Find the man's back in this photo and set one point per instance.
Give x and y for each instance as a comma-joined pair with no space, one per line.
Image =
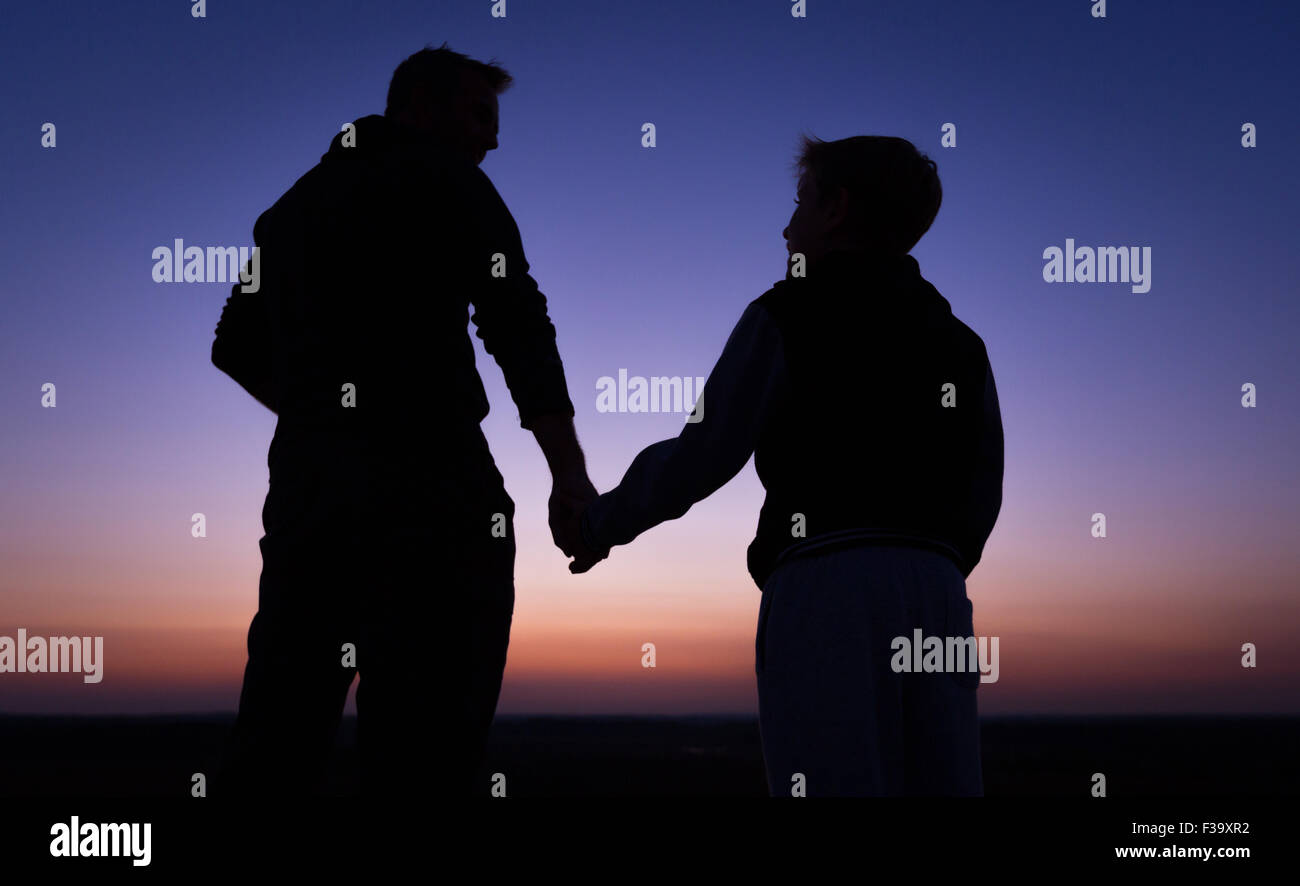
361,268
368,266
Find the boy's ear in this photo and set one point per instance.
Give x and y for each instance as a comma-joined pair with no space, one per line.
839,207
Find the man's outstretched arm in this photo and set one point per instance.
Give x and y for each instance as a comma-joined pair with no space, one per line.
512,320
510,311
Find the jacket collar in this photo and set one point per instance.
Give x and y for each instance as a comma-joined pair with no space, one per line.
889,280
862,263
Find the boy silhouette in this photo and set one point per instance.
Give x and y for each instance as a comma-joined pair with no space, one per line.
873,419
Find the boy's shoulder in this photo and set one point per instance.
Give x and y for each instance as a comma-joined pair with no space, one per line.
782,295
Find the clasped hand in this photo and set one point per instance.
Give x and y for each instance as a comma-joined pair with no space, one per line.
571,493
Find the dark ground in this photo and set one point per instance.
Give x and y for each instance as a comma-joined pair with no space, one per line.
688,756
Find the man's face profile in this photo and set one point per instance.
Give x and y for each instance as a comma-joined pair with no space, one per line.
464,120
473,118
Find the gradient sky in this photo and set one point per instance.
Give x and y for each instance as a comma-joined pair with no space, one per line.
1122,131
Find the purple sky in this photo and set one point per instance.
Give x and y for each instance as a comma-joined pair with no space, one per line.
1124,131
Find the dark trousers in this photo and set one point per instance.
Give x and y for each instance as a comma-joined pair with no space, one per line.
833,714
387,569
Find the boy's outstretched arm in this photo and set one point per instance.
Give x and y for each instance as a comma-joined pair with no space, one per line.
746,390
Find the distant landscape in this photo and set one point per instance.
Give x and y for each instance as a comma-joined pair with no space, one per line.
42,756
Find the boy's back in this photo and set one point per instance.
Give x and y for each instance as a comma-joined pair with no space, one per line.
892,426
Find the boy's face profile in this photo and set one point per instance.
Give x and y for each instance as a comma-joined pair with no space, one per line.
795,232
814,220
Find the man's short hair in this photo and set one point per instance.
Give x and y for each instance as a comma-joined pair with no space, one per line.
438,71
894,190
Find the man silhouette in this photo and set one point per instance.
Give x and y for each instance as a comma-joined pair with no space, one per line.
873,419
389,546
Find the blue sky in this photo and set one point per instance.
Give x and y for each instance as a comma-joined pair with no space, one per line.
1122,131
